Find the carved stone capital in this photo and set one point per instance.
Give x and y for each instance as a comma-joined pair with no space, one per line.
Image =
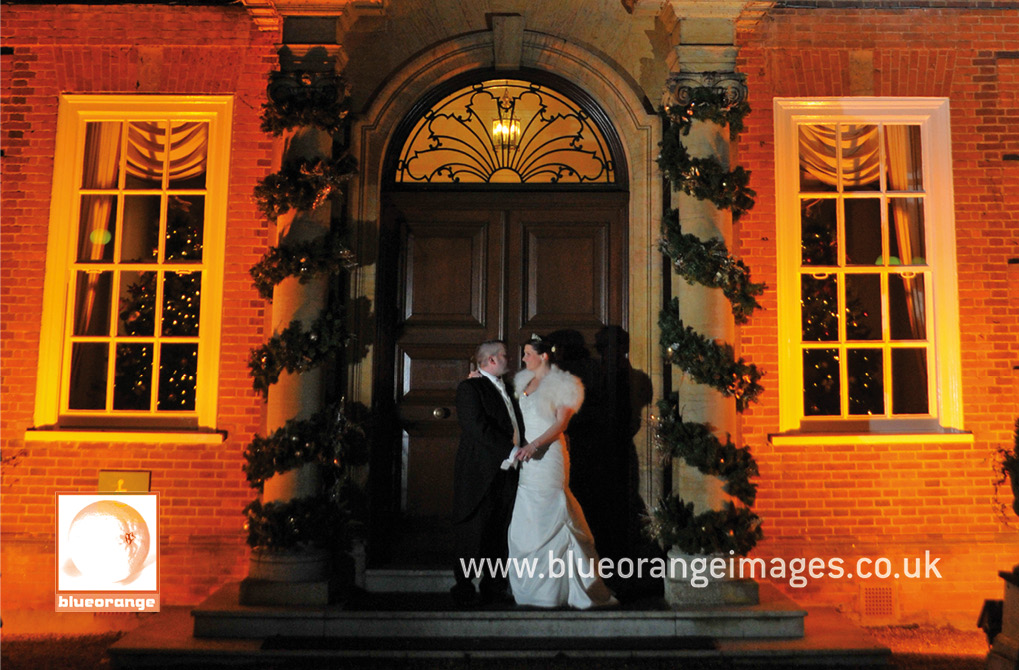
677,89
312,58
294,87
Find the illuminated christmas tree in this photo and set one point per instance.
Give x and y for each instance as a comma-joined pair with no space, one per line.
178,362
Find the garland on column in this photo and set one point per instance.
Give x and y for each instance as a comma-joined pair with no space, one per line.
305,99
303,184
704,178
326,254
708,362
295,350
706,262
331,437
334,437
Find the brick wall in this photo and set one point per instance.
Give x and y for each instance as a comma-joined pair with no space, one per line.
898,500
126,49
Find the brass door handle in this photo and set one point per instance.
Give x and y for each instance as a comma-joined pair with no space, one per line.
440,412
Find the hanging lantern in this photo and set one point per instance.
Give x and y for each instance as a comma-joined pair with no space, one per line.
506,128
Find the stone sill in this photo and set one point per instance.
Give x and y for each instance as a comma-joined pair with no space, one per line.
801,438
134,436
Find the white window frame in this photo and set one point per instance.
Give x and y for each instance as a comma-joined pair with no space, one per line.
74,112
932,115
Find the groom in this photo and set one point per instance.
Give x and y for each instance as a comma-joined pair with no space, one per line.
483,492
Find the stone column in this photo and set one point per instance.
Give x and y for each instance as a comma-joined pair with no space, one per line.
302,576
704,57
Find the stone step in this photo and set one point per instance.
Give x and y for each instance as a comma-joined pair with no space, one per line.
428,616
167,641
409,580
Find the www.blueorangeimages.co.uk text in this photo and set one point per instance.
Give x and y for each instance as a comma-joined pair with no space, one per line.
700,570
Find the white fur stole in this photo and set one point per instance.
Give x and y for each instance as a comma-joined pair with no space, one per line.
558,388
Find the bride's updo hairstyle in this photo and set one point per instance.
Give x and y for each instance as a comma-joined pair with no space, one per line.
543,346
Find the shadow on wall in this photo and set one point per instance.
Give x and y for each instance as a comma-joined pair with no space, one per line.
604,469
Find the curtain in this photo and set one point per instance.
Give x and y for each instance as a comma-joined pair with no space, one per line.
904,166
861,154
99,171
102,159
146,149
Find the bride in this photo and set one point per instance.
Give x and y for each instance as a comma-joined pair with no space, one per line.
548,529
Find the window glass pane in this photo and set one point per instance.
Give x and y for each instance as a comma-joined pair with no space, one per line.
181,303
909,381
140,238
820,319
96,228
101,167
906,243
863,307
185,223
903,158
88,375
189,147
92,303
132,381
819,231
817,158
863,231
178,371
821,382
906,307
146,152
860,166
137,315
866,381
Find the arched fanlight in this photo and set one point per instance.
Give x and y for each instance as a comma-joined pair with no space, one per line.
505,131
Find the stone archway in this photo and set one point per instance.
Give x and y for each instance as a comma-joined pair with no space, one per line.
639,131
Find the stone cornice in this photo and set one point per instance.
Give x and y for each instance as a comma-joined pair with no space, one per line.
265,14
269,14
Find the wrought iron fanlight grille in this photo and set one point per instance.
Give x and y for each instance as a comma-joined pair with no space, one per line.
505,132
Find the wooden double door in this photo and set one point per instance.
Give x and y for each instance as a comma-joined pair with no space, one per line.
457,269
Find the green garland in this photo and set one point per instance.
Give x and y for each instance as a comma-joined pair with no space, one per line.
303,184
701,449
295,350
320,101
704,178
707,262
301,522
706,361
731,528
673,522
707,103
334,437
326,254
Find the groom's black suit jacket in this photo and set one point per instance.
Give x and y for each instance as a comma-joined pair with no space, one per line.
486,439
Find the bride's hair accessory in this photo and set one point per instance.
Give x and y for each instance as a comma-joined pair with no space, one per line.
537,339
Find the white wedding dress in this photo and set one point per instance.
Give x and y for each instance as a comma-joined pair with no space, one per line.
548,530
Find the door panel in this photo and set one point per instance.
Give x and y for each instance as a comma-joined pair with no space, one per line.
569,260
475,267
445,273
566,277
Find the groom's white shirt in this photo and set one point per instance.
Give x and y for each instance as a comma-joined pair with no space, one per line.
510,461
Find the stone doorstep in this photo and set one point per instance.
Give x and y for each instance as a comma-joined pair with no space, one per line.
426,616
167,641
